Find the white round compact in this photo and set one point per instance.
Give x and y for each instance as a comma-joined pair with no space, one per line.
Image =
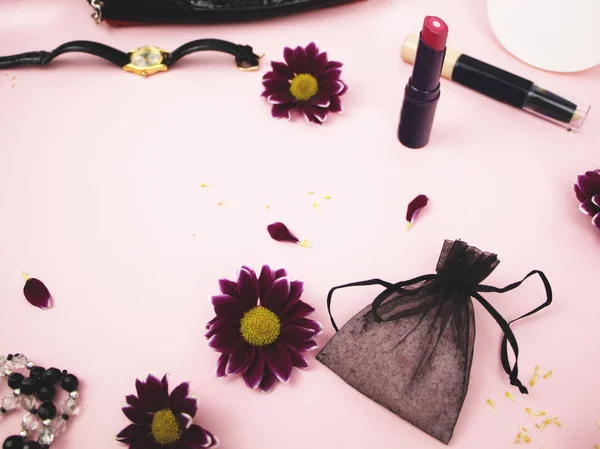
553,35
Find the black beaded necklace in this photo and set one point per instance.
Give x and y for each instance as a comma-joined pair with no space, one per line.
35,394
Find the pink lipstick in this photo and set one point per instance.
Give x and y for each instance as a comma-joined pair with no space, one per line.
422,91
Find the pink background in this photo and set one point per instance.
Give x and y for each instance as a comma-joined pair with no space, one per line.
100,197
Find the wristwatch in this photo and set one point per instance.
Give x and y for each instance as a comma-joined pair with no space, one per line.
143,61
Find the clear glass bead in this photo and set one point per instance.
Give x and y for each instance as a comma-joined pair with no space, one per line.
10,402
59,426
27,402
3,366
19,361
3,359
69,407
46,436
30,422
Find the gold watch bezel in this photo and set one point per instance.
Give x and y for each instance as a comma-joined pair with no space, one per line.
150,70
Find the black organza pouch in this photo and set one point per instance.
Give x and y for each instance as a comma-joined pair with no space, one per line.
411,350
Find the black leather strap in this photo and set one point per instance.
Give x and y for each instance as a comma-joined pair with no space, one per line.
244,56
44,57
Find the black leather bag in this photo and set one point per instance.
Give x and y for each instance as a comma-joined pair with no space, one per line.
125,12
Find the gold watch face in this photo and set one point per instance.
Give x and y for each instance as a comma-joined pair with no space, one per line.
146,61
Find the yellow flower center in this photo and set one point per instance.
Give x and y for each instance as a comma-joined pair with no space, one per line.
165,428
260,326
304,87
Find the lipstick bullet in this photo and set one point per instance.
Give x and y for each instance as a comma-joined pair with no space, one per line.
422,91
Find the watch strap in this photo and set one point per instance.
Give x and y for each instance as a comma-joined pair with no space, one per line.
244,55
44,57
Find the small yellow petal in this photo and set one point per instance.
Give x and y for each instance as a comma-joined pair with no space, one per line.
26,276
535,414
596,446
408,225
533,379
316,206
203,185
267,208
548,374
541,427
517,439
492,404
555,420
310,193
304,244
326,197
509,395
12,87
221,203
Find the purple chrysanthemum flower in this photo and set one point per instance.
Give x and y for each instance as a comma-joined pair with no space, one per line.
261,328
161,420
587,189
307,81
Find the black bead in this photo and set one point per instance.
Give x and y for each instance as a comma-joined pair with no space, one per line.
15,380
65,417
63,373
3,410
33,411
30,385
37,371
32,445
46,393
47,411
13,442
51,376
9,357
70,383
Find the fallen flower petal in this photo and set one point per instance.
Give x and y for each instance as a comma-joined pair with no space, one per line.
278,231
413,209
37,293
